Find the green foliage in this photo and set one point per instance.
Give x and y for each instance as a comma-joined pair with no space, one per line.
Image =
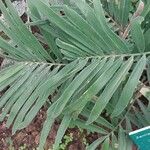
92,69
67,139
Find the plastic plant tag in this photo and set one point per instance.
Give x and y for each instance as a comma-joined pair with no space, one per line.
141,138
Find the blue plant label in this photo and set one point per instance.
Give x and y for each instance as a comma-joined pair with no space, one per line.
141,138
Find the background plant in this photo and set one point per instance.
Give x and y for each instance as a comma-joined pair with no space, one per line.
96,68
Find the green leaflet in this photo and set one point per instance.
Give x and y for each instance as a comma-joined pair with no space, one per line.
124,11
66,26
146,9
96,143
109,91
61,131
120,45
147,41
106,144
11,95
45,131
57,107
122,140
62,101
77,106
130,87
91,128
137,33
15,53
114,141
4,75
113,9
70,48
25,36
11,80
29,86
49,86
100,120
30,101
78,21
145,111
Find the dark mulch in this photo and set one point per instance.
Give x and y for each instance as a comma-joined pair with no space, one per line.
31,134
1,60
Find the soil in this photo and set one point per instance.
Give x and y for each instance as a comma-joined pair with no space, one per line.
29,137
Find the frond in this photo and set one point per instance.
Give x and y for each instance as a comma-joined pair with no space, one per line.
94,73
89,33
23,45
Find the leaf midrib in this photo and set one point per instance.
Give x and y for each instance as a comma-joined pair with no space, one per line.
88,57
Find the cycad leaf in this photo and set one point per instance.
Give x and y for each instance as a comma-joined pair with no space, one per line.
16,86
145,111
77,20
30,101
101,120
121,139
9,72
61,131
114,142
69,91
137,33
109,91
128,129
130,87
106,144
146,9
17,26
56,109
101,17
124,11
66,26
113,9
11,80
70,48
91,128
79,104
96,143
29,86
49,86
83,86
88,12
